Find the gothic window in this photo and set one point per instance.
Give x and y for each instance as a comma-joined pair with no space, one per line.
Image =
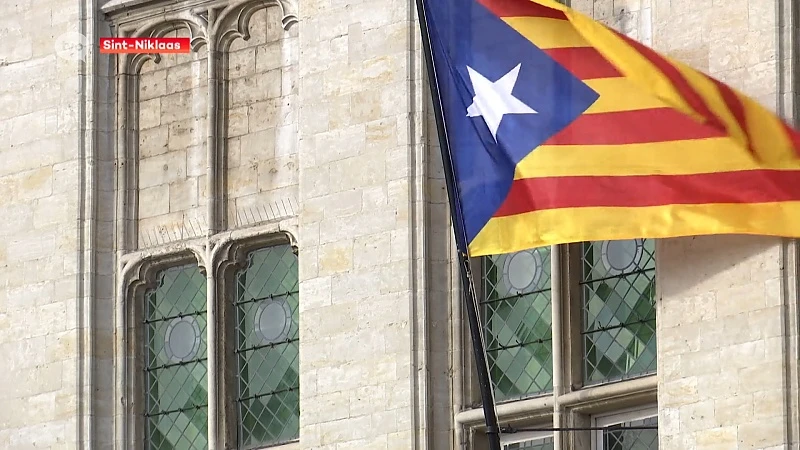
530,443
606,332
256,357
626,431
619,314
267,347
516,308
176,367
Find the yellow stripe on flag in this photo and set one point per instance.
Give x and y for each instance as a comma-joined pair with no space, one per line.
559,226
655,158
767,133
547,33
619,94
710,94
638,69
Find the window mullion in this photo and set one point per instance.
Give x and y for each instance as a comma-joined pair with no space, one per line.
213,347
557,310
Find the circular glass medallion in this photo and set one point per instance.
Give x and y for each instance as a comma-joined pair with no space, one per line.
182,339
522,271
622,256
273,320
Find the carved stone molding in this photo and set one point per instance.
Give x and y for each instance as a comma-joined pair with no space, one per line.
215,25
197,36
234,21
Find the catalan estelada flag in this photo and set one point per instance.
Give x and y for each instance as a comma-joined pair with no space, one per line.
563,130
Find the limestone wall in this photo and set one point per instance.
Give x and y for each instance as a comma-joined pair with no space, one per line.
40,195
361,256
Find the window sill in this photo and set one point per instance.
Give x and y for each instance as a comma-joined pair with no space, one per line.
585,398
295,445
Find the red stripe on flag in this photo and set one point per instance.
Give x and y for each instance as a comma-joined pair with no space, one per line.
633,127
585,63
754,186
736,107
680,84
521,8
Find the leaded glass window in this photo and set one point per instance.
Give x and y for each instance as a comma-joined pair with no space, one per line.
631,436
619,314
517,323
532,444
176,415
267,348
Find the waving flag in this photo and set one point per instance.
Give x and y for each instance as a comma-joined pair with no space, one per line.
562,130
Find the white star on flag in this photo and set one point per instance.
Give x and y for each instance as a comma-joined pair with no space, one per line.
493,100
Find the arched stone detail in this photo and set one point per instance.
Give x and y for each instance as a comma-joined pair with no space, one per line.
234,21
195,23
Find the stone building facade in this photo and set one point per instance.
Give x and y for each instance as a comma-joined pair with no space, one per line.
249,246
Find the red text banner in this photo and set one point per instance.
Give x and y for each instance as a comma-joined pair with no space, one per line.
144,45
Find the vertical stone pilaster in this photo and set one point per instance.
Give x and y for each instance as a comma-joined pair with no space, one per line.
356,257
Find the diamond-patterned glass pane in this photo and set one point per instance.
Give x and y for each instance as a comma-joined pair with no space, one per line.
619,314
533,444
618,438
517,323
267,348
176,394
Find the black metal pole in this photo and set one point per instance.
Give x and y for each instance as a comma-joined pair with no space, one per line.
470,297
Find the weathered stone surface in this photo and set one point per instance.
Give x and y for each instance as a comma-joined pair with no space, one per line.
324,124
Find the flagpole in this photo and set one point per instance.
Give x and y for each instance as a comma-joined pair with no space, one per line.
468,286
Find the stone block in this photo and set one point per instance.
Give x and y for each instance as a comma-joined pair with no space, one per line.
183,195
183,105
187,76
268,57
242,180
335,257
701,362
152,83
53,210
187,133
339,144
277,173
154,141
31,247
339,228
697,416
256,148
154,201
162,169
338,431
196,157
263,114
716,438
237,121
741,355
736,409
255,88
372,171
761,377
315,293
768,404
286,140
241,63
17,218
760,434
150,113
